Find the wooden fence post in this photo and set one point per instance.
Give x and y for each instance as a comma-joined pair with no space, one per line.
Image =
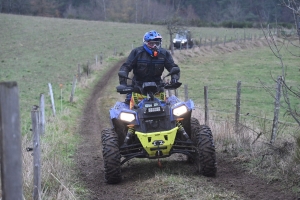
42,114
52,99
36,153
78,73
88,69
169,93
206,113
176,92
101,58
238,107
10,138
276,110
186,93
73,89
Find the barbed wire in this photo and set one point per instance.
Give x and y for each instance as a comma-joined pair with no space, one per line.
221,88
264,118
244,115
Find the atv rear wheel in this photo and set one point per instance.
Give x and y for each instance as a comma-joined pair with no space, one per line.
205,158
111,156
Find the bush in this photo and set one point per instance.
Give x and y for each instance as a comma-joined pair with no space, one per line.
297,150
232,24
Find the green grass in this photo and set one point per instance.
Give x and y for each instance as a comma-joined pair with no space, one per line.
255,68
36,51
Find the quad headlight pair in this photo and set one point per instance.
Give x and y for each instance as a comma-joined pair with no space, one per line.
129,117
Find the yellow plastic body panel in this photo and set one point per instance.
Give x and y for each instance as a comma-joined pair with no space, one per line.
165,137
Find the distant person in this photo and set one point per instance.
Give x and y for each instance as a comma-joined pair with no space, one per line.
148,63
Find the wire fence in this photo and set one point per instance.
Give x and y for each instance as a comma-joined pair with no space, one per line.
243,105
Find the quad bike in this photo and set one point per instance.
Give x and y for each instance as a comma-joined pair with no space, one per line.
155,129
183,40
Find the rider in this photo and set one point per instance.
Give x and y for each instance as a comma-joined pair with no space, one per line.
148,62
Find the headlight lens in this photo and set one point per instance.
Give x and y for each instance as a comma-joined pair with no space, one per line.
180,110
128,117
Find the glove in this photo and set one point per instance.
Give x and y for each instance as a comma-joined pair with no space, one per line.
174,80
122,81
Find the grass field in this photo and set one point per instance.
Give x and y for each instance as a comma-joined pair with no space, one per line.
256,68
35,51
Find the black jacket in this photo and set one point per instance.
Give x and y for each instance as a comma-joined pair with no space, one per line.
147,68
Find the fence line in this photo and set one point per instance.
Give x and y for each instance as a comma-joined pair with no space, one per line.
238,113
10,137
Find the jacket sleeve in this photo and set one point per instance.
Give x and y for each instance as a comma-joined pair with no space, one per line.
169,64
127,66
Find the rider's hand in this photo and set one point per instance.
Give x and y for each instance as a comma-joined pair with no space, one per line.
123,83
174,80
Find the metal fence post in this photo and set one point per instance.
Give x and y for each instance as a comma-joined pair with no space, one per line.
42,120
52,99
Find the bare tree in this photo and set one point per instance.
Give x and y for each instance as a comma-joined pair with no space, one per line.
104,9
294,7
235,10
172,26
288,92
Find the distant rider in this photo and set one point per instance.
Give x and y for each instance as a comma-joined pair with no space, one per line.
148,62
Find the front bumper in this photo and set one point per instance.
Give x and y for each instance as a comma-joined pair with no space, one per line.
158,143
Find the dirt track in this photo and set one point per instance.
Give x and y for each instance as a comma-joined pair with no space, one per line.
230,175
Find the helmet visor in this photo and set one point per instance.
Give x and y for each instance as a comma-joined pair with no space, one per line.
153,44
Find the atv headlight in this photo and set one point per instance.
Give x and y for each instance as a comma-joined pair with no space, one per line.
183,41
128,117
180,110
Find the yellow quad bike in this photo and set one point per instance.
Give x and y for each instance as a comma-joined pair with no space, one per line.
155,128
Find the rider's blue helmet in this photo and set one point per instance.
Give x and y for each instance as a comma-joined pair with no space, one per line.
152,39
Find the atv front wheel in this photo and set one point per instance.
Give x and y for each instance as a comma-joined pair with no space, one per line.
206,156
111,156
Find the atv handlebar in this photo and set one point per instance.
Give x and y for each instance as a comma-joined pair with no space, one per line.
125,89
